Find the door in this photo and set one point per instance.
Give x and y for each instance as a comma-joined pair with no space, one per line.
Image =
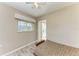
42,34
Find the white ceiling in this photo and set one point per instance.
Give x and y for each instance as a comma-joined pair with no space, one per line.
45,9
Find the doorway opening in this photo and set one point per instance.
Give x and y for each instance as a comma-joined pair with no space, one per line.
42,30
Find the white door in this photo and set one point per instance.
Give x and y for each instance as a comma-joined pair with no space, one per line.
42,30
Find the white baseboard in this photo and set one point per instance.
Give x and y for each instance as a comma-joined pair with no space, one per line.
17,49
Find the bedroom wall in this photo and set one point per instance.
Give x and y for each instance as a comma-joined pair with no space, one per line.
63,26
10,38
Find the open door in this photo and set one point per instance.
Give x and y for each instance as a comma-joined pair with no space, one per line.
42,34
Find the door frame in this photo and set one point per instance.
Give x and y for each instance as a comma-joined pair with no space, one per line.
40,30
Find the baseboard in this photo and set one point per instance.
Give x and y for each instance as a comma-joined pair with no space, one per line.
18,49
64,44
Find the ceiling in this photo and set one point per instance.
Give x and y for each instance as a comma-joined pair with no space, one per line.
33,12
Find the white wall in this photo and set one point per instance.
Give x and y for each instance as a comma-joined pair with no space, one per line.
63,26
10,39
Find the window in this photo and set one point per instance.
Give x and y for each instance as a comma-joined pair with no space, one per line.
24,26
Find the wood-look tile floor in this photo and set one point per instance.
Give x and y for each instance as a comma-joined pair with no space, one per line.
27,51
49,48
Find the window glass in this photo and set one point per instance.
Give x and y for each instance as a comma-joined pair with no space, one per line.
24,26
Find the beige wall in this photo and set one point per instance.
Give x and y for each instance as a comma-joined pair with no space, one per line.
10,39
63,26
